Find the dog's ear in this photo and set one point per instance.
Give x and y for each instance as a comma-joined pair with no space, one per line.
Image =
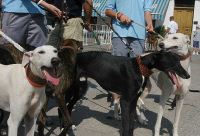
149,60
26,57
187,39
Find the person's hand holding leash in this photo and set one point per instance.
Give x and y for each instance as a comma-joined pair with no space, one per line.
123,18
54,10
51,8
150,28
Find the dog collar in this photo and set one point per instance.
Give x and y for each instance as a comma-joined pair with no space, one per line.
34,80
146,72
184,57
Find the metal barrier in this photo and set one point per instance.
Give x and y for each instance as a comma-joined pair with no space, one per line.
99,32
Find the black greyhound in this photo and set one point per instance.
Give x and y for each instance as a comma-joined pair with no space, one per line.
121,75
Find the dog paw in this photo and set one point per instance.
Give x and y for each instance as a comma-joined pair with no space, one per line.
156,134
73,128
117,117
142,120
3,132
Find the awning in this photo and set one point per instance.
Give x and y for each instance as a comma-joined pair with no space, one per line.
159,9
100,6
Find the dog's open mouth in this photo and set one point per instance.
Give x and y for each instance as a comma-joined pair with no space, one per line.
174,79
51,75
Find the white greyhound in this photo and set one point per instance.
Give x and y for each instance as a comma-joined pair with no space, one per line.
180,44
22,87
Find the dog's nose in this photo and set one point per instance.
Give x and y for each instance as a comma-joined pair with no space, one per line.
161,45
55,61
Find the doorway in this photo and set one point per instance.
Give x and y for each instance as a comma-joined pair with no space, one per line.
184,16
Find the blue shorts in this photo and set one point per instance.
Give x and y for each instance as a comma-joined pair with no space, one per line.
196,44
120,49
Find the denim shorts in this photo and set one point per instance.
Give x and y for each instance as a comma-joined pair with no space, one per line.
196,44
119,47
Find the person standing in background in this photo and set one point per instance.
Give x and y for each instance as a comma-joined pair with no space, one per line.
196,40
122,13
71,30
172,27
24,21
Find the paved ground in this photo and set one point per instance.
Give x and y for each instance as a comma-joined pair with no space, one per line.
91,116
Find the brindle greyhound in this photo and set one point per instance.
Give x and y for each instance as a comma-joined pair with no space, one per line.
67,53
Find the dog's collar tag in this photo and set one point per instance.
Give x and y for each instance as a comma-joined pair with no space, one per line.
34,80
146,72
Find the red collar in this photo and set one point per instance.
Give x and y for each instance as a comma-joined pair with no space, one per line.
146,72
184,57
34,80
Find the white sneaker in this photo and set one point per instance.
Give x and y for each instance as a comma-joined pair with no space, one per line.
193,53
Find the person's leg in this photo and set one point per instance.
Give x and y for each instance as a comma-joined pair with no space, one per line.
197,48
195,45
119,48
137,46
37,31
14,25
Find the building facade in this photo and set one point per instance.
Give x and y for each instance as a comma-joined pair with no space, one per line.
186,14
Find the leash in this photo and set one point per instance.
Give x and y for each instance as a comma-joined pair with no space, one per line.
16,45
86,98
153,32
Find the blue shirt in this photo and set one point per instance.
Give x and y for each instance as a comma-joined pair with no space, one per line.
135,10
21,6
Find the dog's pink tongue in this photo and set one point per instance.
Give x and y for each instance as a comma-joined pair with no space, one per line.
54,81
175,80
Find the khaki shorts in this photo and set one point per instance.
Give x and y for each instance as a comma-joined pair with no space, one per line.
73,29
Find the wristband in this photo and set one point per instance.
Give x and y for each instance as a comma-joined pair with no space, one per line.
116,16
39,2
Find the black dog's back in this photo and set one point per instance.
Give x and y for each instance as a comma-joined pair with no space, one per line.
103,65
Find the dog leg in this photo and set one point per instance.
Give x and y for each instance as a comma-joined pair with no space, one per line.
116,104
1,116
133,114
79,90
125,109
17,111
42,118
13,123
163,98
65,113
30,123
140,104
179,105
32,115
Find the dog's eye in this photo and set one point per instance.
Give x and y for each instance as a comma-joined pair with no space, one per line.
55,51
41,52
175,38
